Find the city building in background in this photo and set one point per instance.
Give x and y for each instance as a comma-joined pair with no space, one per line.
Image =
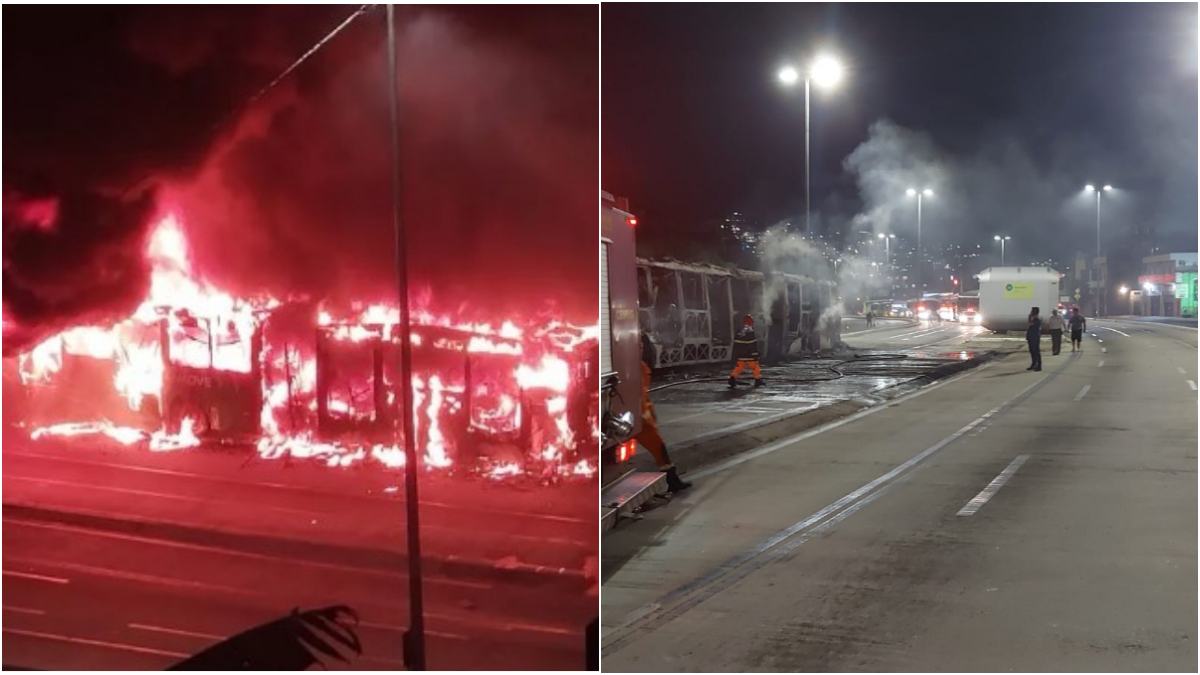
1166,286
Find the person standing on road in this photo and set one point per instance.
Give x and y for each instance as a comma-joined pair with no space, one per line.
1078,324
870,318
1033,335
745,350
649,437
1055,325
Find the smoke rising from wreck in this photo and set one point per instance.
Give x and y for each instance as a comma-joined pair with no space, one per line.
293,198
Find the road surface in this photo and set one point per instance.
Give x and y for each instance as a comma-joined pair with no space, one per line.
184,552
897,335
999,520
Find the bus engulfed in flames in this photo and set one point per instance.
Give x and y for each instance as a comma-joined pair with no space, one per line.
294,380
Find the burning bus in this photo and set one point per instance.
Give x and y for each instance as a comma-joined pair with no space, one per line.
296,379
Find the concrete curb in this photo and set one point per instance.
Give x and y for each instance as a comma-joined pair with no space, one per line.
702,452
372,559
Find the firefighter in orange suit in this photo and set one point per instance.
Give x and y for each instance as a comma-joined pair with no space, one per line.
745,350
649,437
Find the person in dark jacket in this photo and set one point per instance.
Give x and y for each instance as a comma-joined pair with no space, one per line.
1033,335
745,350
1078,324
649,437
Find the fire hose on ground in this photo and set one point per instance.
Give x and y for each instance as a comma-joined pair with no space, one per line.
836,368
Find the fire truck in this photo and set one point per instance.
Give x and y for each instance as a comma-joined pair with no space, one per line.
622,488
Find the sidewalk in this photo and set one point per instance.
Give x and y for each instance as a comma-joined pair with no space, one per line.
703,421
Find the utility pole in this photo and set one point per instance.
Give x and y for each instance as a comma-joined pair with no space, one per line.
414,637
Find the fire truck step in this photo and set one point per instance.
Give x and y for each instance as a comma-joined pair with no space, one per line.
622,497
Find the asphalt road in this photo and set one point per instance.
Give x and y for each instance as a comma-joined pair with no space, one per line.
1000,520
896,335
216,552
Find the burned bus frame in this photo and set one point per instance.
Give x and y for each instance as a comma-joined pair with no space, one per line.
692,311
384,351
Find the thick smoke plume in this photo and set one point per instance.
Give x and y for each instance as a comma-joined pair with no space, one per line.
292,196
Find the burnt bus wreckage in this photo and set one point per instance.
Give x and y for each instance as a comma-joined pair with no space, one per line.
692,311
293,386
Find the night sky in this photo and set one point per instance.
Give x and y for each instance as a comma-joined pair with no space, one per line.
113,115
1010,109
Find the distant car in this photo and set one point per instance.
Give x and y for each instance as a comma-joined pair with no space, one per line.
971,316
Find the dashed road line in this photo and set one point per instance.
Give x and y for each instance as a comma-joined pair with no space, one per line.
1083,392
1192,384
1181,371
992,488
1113,330
1100,365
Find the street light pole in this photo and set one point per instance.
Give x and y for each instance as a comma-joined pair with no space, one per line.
1101,287
887,248
414,637
807,173
826,71
920,258
1001,240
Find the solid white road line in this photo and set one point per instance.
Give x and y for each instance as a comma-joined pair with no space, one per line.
1113,330
23,610
1192,384
1083,392
992,488
175,631
36,577
94,643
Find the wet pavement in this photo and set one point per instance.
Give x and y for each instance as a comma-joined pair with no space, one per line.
700,405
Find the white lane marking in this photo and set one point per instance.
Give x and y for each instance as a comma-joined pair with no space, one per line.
914,332
927,333
1099,340
23,610
1100,365
1104,350
174,631
1083,392
1114,330
846,505
233,553
1192,384
36,577
94,643
324,492
1181,371
992,488
805,435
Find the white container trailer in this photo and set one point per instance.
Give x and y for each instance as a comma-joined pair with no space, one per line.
1006,294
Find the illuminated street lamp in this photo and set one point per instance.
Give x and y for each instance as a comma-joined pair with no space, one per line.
826,71
1001,240
920,258
1123,290
887,247
1091,188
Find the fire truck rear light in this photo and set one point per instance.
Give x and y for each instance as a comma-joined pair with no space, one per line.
626,450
